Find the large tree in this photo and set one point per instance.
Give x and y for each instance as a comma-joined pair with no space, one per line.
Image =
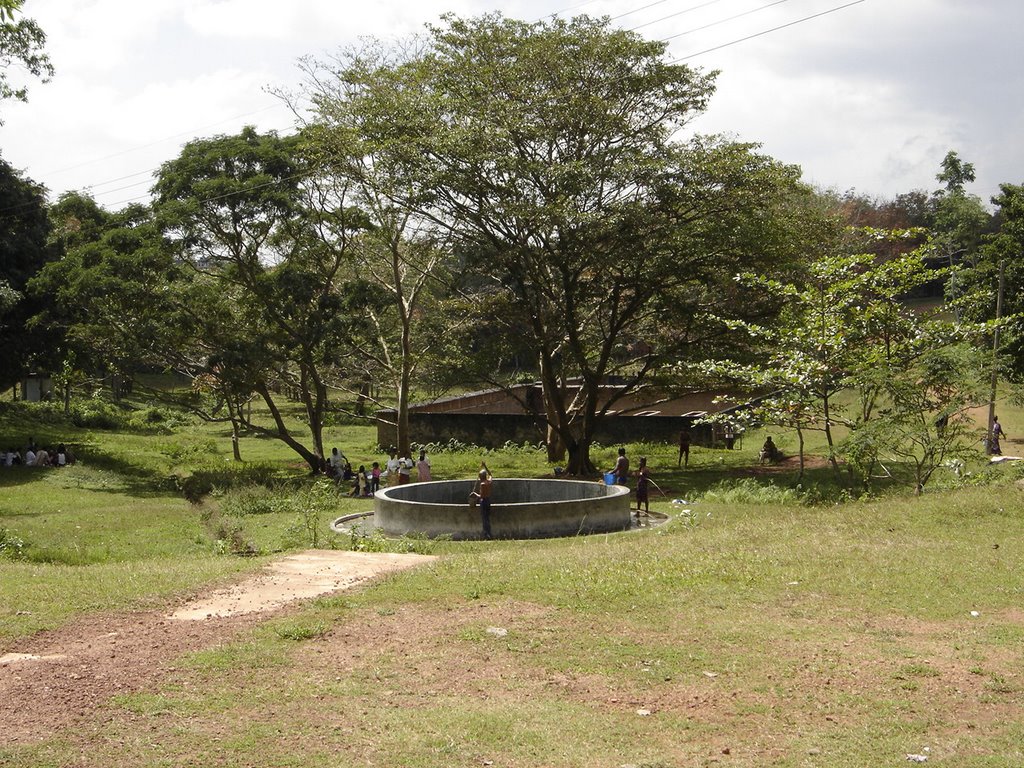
107,296
24,230
272,298
551,153
405,257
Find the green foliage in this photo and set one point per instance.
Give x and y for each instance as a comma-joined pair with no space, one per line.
313,505
257,500
299,630
21,42
23,252
749,491
192,451
375,541
551,151
202,482
12,546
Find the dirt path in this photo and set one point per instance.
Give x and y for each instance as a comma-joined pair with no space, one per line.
63,678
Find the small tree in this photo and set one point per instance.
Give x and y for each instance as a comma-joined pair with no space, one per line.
907,377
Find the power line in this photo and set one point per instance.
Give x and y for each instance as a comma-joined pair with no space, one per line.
589,2
765,32
160,141
673,15
637,10
723,21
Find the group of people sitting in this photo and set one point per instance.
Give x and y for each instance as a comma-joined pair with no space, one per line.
37,456
395,471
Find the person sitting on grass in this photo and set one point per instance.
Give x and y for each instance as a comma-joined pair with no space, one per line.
770,452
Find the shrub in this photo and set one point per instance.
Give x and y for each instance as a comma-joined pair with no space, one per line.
178,452
160,419
256,500
203,482
97,414
11,545
749,491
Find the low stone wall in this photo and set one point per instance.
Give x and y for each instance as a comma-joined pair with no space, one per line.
520,509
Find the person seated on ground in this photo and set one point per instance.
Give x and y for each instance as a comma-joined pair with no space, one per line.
769,451
43,458
30,457
335,463
61,458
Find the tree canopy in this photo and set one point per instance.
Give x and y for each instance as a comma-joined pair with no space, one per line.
24,230
550,153
22,44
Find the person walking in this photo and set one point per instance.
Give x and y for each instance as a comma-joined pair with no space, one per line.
684,448
997,435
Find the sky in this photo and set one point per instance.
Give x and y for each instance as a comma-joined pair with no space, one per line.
863,95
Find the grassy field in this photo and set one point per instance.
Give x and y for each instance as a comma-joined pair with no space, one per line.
752,629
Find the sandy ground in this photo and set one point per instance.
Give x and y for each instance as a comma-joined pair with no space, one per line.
56,679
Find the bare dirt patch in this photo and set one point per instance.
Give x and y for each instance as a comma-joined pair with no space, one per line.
58,679
787,464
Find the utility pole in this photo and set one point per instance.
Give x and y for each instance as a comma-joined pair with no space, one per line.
995,356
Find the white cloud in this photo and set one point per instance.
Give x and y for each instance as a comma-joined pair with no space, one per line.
868,97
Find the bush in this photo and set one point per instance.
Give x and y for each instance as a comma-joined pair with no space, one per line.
97,414
749,491
256,500
375,541
203,482
12,546
160,419
196,449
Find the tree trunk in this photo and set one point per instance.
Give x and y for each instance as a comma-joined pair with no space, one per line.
828,438
364,395
316,463
580,464
555,446
402,437
236,450
800,437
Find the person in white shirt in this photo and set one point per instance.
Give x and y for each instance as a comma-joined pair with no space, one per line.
392,468
404,470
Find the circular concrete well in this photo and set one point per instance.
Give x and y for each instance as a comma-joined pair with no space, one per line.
520,509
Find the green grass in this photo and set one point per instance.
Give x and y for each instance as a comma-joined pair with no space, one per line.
755,630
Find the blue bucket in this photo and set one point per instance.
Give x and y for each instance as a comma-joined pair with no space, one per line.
609,478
